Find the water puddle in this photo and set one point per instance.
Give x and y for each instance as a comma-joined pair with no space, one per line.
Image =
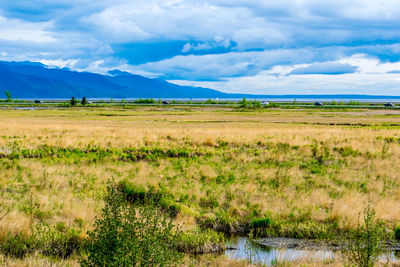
239,248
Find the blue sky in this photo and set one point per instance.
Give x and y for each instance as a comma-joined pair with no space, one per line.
247,46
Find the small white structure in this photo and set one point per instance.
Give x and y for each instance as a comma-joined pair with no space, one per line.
265,103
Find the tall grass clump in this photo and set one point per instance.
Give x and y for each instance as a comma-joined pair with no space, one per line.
45,239
138,195
16,246
130,235
259,225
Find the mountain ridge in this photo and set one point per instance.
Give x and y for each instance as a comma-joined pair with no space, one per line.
35,80
27,79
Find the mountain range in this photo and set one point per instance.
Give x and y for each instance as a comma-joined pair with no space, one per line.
36,80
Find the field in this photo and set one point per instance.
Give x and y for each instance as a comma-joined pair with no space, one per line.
310,171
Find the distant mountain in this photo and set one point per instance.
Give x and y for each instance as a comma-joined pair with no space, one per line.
35,80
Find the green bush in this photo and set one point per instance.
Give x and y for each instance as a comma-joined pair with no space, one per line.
365,242
130,235
397,233
16,246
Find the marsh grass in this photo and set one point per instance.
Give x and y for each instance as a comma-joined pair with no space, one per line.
309,171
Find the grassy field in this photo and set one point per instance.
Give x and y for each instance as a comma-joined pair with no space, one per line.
309,171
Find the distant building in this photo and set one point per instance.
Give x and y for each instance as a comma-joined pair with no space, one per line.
318,103
38,101
265,103
165,102
389,105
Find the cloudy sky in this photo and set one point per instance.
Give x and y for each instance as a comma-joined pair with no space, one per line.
248,46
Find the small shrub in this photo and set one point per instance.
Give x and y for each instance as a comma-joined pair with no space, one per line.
397,233
130,235
347,151
365,243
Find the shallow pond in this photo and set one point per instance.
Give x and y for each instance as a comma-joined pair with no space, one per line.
240,248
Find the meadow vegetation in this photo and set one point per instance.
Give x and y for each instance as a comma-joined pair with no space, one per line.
213,170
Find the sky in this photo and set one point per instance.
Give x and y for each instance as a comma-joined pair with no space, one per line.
237,46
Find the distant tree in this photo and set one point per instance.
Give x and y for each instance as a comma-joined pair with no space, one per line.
8,95
243,103
256,104
84,101
73,101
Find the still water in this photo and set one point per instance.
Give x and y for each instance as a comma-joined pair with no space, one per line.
245,250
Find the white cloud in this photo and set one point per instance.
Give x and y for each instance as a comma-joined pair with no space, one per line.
218,41
225,65
17,30
376,84
59,63
372,77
